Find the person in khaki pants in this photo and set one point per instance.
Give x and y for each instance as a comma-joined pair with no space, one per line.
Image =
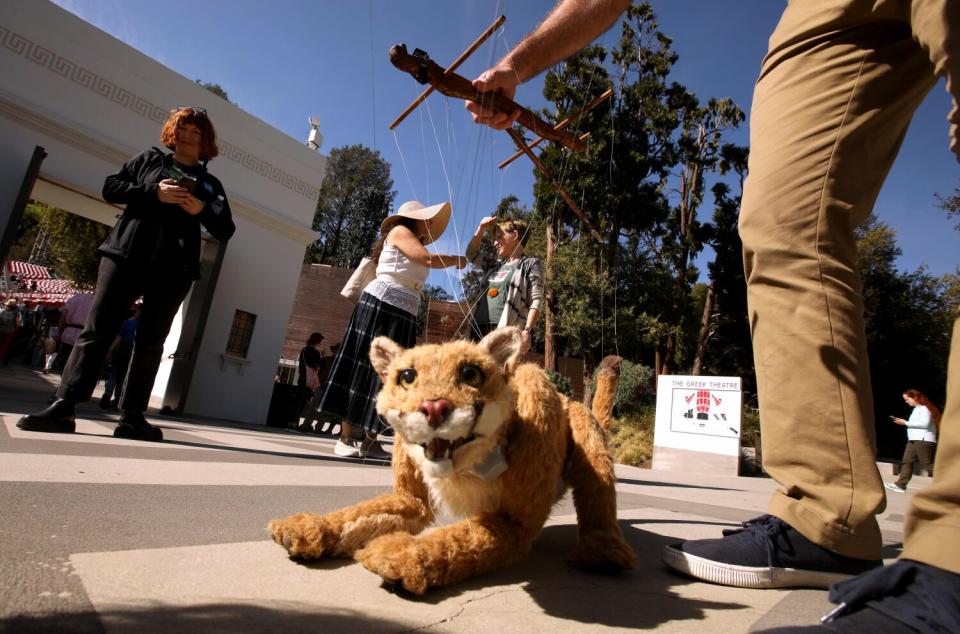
836,92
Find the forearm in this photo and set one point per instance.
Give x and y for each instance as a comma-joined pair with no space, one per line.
218,220
532,316
125,186
437,261
473,247
570,26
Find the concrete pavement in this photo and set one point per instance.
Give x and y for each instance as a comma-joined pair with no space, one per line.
99,534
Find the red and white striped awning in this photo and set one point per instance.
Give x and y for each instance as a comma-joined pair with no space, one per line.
36,286
26,270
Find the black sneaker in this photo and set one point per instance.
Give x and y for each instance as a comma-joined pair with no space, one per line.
907,596
134,426
59,418
765,552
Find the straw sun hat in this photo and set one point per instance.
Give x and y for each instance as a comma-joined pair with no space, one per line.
414,209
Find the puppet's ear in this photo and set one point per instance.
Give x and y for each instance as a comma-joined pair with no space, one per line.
504,345
383,350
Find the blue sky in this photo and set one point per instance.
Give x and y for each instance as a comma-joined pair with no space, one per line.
285,60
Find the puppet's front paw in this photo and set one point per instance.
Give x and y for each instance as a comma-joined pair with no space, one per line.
399,559
604,551
304,535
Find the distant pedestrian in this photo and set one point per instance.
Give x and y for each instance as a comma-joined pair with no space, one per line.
9,323
309,362
921,438
119,358
73,316
49,345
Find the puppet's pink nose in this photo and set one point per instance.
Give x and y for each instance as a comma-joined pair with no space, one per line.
436,411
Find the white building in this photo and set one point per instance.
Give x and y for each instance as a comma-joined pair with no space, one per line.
91,102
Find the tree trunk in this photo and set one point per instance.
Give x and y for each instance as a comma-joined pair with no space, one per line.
668,351
706,327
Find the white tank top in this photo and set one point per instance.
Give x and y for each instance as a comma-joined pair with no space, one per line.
399,280
394,262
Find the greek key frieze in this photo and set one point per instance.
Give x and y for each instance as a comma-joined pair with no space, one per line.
68,69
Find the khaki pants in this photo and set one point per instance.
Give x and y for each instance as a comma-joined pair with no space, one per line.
920,451
835,95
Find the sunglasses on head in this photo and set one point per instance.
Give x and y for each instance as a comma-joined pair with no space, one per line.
195,109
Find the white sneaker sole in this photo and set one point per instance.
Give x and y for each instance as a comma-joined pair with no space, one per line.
748,576
346,452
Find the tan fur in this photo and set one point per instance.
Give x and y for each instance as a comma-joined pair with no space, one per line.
443,523
607,381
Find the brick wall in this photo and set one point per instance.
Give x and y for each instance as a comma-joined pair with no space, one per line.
318,306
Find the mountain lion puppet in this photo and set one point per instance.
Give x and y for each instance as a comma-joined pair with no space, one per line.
484,448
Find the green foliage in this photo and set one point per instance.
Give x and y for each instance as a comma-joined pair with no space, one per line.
561,382
641,183
633,389
216,89
750,429
28,233
356,195
631,437
429,292
72,243
951,205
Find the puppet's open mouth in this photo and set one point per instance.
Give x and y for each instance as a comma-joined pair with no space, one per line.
441,448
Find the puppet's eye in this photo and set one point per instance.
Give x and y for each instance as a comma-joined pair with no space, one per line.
407,376
471,375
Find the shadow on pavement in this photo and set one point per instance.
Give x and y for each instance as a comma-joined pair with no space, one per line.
641,598
651,483
216,617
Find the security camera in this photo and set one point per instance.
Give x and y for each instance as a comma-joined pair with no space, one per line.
314,122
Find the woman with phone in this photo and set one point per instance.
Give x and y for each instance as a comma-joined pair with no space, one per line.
922,427
152,253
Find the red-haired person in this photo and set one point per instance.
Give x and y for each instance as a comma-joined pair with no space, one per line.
921,437
153,252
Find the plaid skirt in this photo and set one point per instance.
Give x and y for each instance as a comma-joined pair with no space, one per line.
351,391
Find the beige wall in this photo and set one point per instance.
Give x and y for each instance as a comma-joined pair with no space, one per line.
92,102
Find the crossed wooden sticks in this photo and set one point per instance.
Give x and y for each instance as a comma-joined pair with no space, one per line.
449,83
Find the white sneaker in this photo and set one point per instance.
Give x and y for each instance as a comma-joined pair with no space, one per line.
893,486
373,450
347,449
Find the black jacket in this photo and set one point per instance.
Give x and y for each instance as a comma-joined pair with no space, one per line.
162,236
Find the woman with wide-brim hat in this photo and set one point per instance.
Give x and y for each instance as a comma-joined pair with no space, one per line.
387,307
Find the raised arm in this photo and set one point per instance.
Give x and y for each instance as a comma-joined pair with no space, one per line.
473,247
407,242
571,25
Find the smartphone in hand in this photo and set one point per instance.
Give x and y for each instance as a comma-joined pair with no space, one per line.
188,182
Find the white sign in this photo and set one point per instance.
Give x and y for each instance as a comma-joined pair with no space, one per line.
699,413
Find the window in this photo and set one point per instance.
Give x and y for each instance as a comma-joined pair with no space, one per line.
241,332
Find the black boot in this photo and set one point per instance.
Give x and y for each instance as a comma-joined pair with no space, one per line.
134,426
57,419
105,401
